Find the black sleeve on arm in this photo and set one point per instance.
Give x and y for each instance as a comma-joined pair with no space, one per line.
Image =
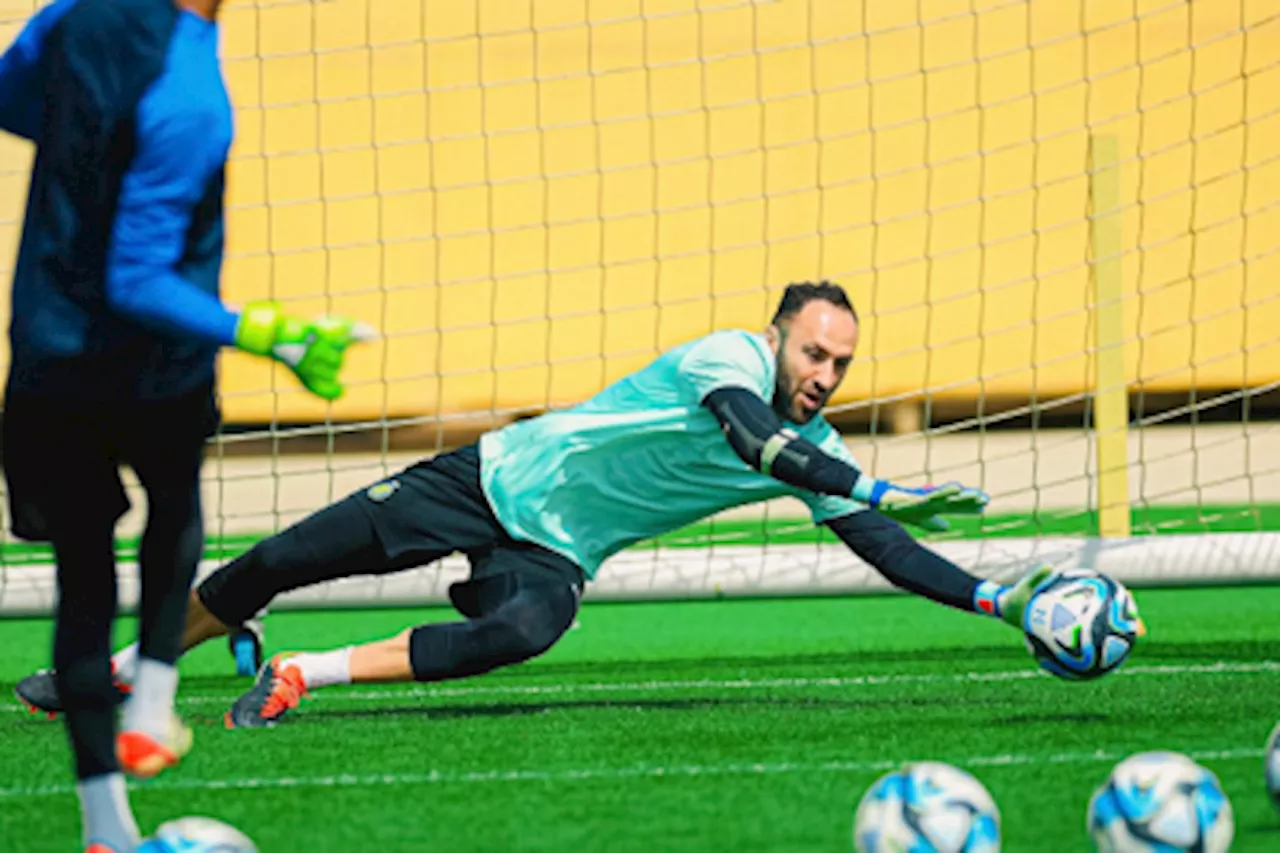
758,437
903,561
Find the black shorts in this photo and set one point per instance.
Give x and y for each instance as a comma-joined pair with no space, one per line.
426,512
62,457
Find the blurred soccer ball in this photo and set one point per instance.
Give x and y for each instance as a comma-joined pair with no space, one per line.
1273,766
198,835
1080,624
927,806
1160,802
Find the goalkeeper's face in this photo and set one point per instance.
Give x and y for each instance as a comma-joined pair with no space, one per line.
814,348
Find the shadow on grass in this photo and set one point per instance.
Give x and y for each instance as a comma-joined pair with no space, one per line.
851,661
1011,656
1261,830
819,705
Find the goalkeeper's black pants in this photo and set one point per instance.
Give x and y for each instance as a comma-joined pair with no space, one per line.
62,463
519,599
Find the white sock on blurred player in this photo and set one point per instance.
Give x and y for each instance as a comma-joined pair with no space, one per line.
321,669
150,705
125,663
104,809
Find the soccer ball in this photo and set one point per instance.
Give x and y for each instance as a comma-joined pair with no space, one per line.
1080,624
197,835
1273,766
927,805
1160,802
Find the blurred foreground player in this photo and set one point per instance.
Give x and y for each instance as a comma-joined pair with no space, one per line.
116,322
728,419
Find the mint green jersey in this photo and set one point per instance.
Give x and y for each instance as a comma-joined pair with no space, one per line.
643,457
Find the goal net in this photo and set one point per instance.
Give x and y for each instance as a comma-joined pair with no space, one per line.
1058,221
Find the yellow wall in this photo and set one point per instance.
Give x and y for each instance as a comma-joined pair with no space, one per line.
531,199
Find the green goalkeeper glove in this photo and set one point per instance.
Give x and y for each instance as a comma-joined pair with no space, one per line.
312,349
923,507
1009,603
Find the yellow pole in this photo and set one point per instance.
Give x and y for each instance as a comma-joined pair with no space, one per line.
1110,394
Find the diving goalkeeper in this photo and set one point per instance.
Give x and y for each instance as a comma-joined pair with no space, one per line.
728,419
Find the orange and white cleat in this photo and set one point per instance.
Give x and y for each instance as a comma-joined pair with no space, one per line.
276,691
142,756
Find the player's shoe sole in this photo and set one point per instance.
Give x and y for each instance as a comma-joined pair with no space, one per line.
274,693
39,693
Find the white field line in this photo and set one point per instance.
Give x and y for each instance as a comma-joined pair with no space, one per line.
1030,673
570,689
438,777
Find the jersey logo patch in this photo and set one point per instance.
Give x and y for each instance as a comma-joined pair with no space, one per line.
379,492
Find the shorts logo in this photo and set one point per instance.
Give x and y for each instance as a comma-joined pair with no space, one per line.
379,492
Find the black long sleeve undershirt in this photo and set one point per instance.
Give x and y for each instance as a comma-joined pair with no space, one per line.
749,425
903,561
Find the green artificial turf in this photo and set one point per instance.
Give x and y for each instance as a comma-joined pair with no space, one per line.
732,725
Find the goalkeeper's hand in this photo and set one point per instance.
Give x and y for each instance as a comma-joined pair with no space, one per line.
312,349
923,507
1010,602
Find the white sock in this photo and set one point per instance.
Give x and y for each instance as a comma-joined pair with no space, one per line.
150,705
125,662
105,813
321,669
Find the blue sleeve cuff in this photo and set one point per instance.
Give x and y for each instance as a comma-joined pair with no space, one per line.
986,598
869,490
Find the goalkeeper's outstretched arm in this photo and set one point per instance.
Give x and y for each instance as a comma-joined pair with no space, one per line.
908,565
759,437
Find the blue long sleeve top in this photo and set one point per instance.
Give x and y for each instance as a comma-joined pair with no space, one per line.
115,294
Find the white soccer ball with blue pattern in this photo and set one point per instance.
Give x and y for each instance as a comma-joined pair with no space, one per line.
928,807
1080,624
197,835
1273,767
1160,802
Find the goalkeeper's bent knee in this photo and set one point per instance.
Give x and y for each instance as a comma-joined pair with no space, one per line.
522,628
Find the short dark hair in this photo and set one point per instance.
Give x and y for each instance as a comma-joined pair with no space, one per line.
800,294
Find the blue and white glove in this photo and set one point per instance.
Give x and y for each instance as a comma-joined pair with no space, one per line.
922,507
